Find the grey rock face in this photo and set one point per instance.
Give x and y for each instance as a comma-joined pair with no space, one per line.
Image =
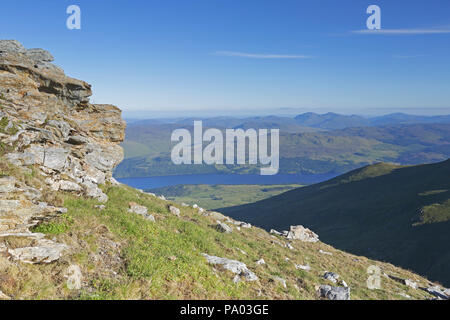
234,266
334,293
11,46
46,252
72,143
275,232
39,55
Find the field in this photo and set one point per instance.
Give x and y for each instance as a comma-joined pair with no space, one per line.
219,196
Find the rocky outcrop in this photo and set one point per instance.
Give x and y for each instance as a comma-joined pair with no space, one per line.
74,143
48,127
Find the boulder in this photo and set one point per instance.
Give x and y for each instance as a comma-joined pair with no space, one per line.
174,210
303,234
68,186
237,267
141,210
334,293
138,209
46,252
39,55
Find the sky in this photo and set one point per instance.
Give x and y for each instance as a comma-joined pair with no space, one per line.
237,57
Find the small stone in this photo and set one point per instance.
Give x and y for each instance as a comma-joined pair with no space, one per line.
138,209
66,185
174,210
4,296
411,284
333,277
302,267
11,46
325,252
303,234
334,293
74,277
260,261
281,281
234,266
222,227
273,231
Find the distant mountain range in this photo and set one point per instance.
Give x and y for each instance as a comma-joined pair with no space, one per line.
387,212
309,144
305,122
331,121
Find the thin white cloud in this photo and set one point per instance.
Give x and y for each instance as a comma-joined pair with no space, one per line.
403,31
260,56
408,56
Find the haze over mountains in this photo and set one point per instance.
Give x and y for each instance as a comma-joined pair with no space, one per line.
309,143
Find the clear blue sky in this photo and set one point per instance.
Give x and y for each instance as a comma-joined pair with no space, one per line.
235,56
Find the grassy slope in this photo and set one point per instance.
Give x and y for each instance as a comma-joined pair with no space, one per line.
382,211
123,256
219,196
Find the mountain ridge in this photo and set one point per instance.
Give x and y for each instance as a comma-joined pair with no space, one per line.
69,230
375,210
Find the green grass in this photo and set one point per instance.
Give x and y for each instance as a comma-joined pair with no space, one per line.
399,214
219,196
124,256
60,225
436,212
